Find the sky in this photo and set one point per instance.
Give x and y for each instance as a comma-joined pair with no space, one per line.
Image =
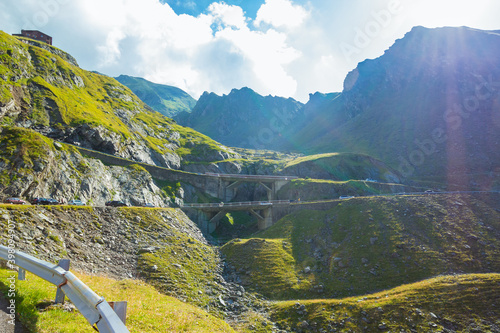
287,48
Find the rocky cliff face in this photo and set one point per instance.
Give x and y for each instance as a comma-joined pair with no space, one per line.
33,166
42,88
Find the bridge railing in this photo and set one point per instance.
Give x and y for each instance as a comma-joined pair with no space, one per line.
235,204
92,306
256,177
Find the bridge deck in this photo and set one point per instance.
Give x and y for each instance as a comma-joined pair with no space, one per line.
249,178
233,206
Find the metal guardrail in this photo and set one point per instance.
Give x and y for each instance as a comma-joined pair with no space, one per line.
92,306
256,177
236,204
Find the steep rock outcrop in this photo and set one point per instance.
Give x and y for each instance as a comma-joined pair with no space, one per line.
33,166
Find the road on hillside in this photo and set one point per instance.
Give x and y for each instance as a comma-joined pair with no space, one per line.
5,326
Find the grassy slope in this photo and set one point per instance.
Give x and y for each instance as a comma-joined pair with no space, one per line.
369,244
461,303
321,189
52,81
147,309
165,99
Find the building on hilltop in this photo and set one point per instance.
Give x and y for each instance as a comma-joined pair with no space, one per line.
36,35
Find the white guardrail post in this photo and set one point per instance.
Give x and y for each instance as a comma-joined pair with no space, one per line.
93,307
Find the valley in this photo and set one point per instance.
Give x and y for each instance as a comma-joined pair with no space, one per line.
359,211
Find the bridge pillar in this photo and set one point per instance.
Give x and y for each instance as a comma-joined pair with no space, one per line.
267,219
206,221
264,218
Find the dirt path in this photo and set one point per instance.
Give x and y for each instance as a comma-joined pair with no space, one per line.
5,326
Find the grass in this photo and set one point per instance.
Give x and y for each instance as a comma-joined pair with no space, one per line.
368,244
20,150
309,158
183,266
60,94
147,309
462,303
341,167
269,263
323,189
165,99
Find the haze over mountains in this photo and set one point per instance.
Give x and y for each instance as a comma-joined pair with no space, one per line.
429,107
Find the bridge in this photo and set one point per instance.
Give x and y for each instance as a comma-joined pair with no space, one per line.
222,186
229,183
209,214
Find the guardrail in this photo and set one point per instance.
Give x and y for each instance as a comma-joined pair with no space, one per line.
256,177
92,306
236,204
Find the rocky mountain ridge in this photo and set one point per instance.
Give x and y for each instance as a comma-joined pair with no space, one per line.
34,166
243,118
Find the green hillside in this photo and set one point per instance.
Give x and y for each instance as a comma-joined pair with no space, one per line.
455,303
148,311
340,166
364,245
40,89
165,99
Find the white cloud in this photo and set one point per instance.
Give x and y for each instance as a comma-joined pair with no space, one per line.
232,16
281,13
287,50
110,50
268,54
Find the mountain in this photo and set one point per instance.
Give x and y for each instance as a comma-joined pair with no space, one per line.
42,88
165,99
429,107
243,118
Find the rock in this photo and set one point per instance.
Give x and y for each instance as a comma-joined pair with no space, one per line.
222,301
373,240
307,270
154,268
149,249
45,218
364,261
382,326
177,265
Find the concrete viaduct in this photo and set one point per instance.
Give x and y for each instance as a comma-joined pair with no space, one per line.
222,186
